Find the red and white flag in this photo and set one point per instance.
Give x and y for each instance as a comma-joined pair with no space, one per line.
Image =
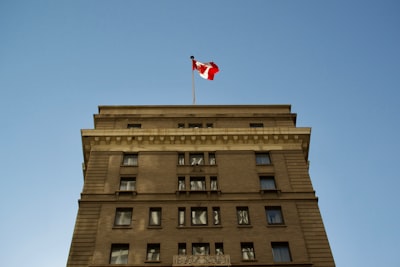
206,70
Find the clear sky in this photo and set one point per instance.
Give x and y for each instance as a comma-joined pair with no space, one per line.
336,62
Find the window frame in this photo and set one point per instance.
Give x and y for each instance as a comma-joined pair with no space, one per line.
266,181
126,158
194,182
158,212
277,256
194,219
129,180
123,250
199,246
119,213
263,158
157,252
216,215
248,252
270,219
196,158
240,217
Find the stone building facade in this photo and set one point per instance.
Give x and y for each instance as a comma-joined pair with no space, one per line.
198,185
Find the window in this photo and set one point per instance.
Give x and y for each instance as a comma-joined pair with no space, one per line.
123,217
181,159
219,249
248,251
199,216
130,160
211,159
200,249
153,252
127,184
267,183
263,159
134,126
181,125
256,125
216,216
209,125
181,248
119,254
213,183
243,215
181,216
181,184
274,215
281,252
195,125
196,159
197,183
155,217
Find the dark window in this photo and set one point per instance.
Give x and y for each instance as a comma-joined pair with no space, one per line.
134,125
281,252
248,251
274,215
195,125
181,248
199,216
119,254
256,125
219,249
130,160
263,159
243,215
267,183
181,125
123,217
153,252
155,217
209,125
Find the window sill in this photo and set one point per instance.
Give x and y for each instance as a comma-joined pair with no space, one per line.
245,226
147,261
281,225
249,260
266,191
198,226
126,192
154,227
122,227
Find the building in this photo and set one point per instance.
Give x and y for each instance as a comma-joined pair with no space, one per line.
198,185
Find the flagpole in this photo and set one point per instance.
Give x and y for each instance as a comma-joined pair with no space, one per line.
193,89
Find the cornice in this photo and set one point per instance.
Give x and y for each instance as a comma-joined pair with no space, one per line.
202,136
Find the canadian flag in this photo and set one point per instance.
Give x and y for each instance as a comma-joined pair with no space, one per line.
206,70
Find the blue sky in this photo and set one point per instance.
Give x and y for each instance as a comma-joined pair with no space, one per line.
336,62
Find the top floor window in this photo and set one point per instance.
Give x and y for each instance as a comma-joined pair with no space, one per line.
263,159
134,126
196,159
130,160
195,125
256,125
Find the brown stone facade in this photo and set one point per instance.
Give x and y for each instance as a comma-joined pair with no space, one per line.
199,185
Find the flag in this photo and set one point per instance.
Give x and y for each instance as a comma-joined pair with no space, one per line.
206,70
